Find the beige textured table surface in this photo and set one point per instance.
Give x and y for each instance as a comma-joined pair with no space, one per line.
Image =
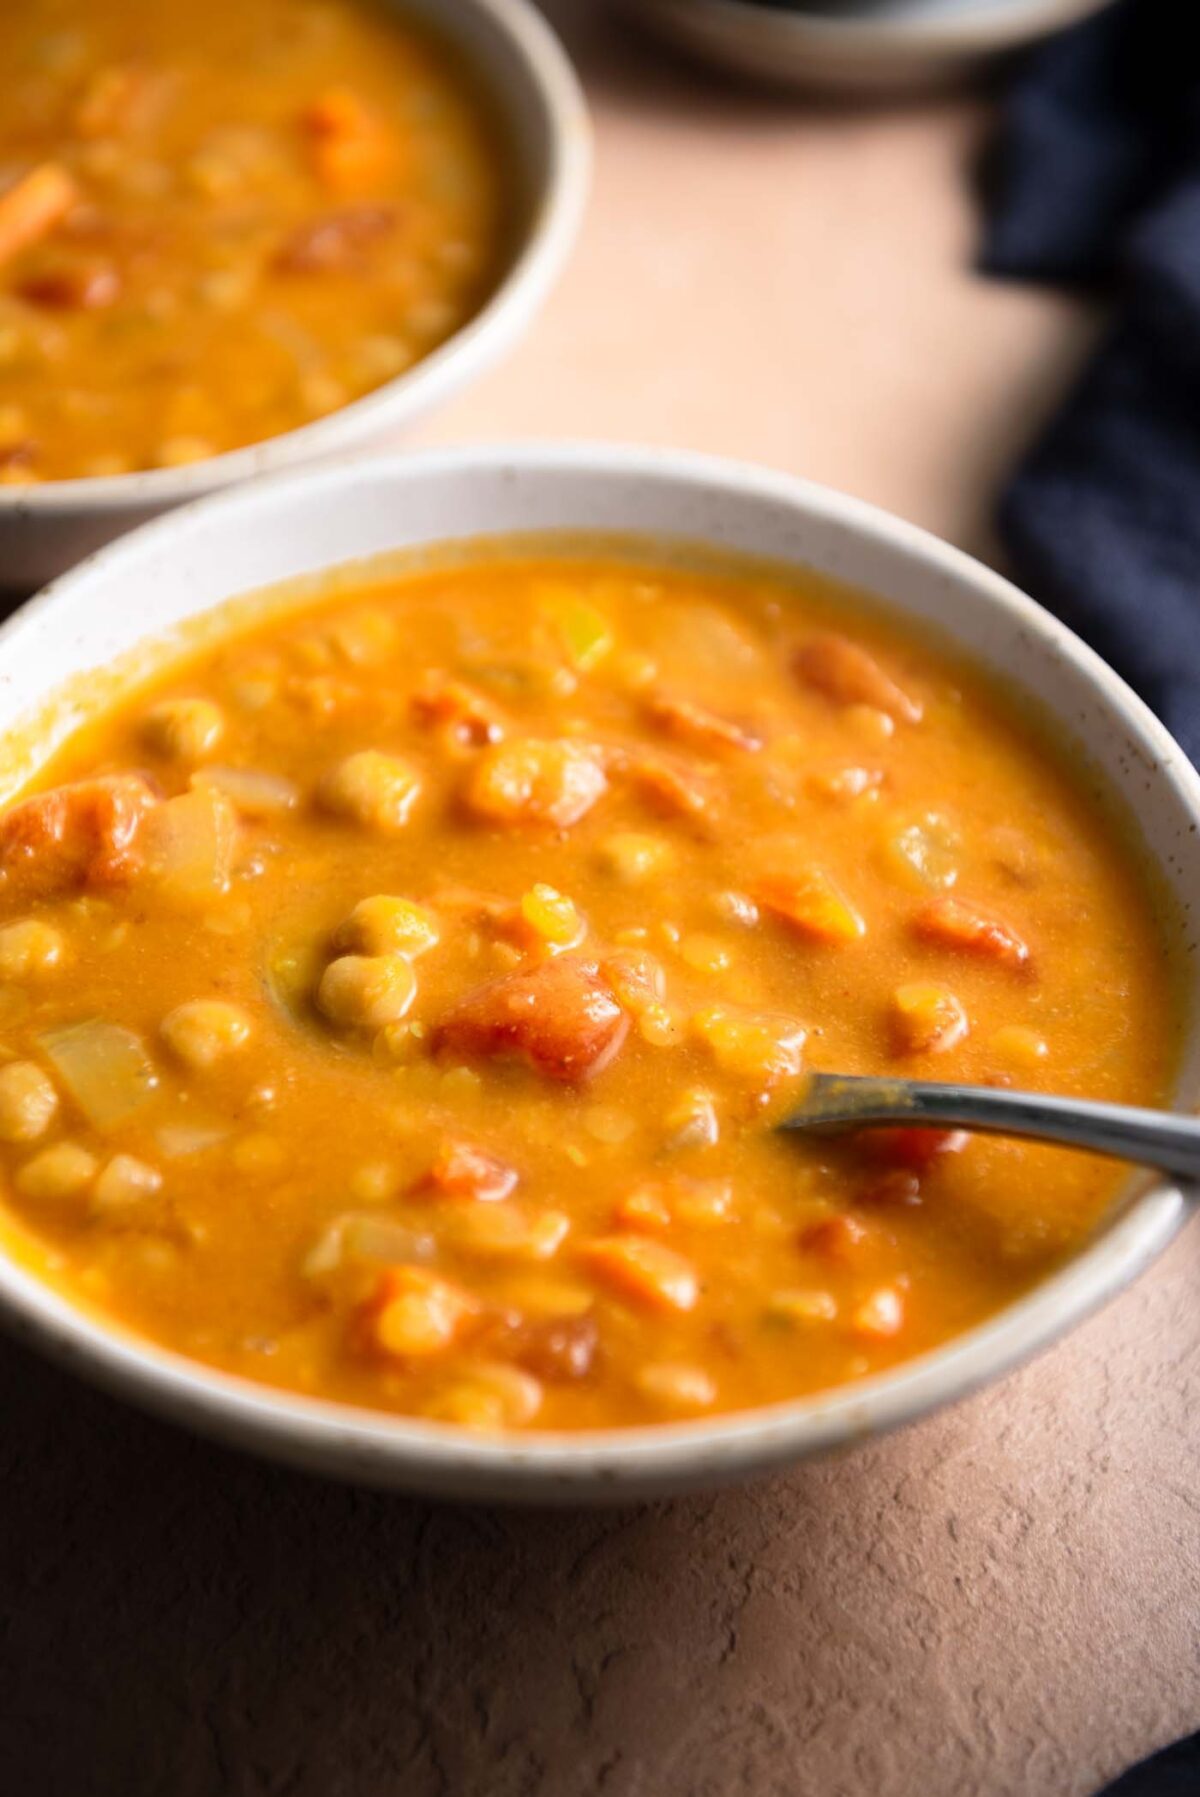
1003,1600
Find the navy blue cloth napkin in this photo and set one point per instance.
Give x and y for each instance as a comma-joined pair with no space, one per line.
1095,179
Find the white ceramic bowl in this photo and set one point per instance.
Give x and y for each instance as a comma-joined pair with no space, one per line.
185,564
856,46
523,68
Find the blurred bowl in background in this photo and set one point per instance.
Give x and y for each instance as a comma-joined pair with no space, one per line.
855,46
46,528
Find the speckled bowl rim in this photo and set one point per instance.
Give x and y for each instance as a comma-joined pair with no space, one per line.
556,202
619,1464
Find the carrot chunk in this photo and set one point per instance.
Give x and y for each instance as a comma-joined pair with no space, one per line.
845,673
469,718
85,834
670,787
958,924
812,903
461,1170
534,782
695,723
351,143
644,1270
32,207
562,1017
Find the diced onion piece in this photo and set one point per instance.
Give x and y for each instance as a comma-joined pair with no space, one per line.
583,633
104,1068
178,1140
366,1239
189,844
692,1121
676,1386
252,792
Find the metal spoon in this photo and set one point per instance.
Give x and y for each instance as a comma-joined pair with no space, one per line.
836,1101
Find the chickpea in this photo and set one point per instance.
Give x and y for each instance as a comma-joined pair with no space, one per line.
29,948
470,1406
871,725
125,1181
704,953
383,925
176,452
28,1102
205,1030
419,1313
798,1306
760,1048
633,858
62,1171
677,1387
372,789
184,729
374,1183
1017,1043
491,1395
926,1019
367,991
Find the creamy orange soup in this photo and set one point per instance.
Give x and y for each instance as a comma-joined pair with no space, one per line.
396,998
220,222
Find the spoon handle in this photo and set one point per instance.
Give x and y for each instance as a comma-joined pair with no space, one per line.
1150,1138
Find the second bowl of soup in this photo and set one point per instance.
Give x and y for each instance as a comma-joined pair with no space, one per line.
256,233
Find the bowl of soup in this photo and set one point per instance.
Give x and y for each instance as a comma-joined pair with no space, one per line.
421,896
256,233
